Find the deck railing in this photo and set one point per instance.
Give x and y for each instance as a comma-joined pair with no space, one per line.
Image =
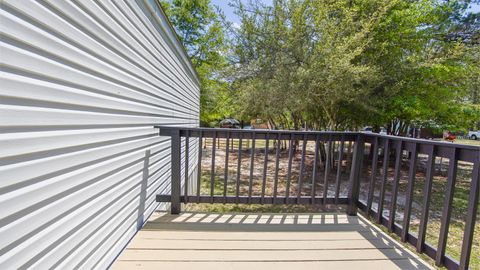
330,168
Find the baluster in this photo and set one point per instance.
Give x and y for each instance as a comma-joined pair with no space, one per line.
447,207
355,173
315,165
471,216
411,184
212,169
199,164
277,160
371,187
339,170
386,158
239,167
427,190
302,165
265,167
252,166
187,146
327,169
289,170
396,179
225,177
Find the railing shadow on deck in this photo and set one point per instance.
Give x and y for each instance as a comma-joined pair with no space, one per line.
257,222
357,228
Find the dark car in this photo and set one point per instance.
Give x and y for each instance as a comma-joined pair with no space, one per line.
229,123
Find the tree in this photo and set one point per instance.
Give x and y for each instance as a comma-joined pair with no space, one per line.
424,66
345,64
198,24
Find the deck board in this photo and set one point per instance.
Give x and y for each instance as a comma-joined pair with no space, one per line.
256,241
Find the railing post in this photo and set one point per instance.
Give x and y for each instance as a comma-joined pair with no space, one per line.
175,172
354,186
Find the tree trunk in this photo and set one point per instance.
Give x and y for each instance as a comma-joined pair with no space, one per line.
322,153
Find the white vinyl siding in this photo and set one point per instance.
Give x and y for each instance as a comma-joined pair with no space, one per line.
82,83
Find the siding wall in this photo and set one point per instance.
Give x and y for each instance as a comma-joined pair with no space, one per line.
81,85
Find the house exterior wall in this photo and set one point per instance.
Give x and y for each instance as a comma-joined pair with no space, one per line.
81,85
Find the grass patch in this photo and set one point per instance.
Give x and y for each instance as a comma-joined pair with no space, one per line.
468,142
205,189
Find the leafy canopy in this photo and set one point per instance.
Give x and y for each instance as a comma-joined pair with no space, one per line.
344,64
336,64
198,24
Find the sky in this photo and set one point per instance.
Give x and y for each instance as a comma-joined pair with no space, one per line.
475,8
228,10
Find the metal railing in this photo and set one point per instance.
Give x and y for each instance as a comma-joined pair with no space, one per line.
324,168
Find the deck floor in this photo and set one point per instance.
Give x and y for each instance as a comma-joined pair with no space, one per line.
262,241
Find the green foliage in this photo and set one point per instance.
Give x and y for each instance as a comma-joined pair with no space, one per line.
198,24
336,64
345,64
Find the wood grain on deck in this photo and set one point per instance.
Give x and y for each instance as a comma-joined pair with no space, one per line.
260,241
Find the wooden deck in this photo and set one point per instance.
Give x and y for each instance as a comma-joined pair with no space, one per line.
263,241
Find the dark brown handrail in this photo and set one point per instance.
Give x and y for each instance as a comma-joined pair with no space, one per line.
186,138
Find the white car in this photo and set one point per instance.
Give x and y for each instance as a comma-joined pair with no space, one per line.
474,135
383,131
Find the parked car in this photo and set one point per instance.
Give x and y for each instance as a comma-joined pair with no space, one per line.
367,129
229,123
474,135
